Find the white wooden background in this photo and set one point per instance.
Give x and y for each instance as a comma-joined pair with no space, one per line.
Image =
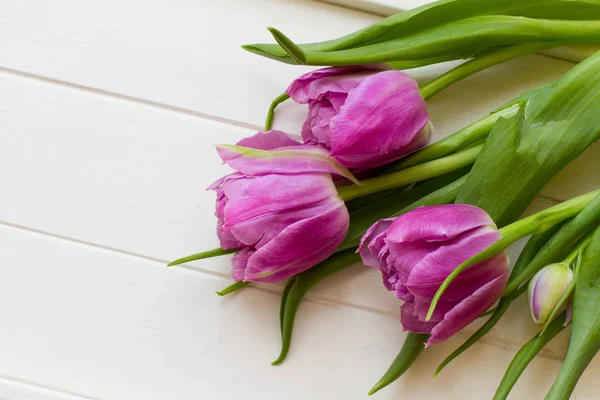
108,113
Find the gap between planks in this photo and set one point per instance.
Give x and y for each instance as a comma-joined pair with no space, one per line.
157,105
498,342
46,391
127,98
163,263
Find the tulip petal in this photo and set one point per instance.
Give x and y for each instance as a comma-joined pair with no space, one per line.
316,127
381,116
302,159
468,310
411,322
313,84
426,277
262,229
443,307
269,140
373,241
226,238
300,246
257,196
239,262
437,223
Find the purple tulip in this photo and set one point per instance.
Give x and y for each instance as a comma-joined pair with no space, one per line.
365,117
280,209
418,250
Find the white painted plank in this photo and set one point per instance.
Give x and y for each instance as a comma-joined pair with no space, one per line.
119,173
112,326
184,53
11,389
131,177
181,54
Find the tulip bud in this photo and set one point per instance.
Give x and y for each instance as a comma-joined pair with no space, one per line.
365,116
281,209
546,288
416,252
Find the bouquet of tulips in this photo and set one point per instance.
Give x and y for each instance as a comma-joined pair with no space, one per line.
363,183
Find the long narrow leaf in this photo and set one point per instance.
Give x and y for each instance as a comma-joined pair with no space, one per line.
585,334
435,14
525,355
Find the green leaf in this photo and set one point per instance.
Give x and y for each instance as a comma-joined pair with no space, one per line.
408,23
411,349
298,288
464,39
200,256
556,125
284,296
289,46
471,135
585,334
525,355
233,288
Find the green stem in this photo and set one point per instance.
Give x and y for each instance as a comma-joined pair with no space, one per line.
480,63
576,252
271,113
233,288
411,175
200,256
535,223
474,133
559,245
412,348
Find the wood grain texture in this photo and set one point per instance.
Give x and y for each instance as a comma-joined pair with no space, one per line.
15,389
119,327
107,120
136,175
182,53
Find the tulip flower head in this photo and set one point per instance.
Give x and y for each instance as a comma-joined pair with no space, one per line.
546,289
281,209
365,117
416,251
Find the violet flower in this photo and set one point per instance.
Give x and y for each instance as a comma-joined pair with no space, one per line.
418,250
280,209
366,117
